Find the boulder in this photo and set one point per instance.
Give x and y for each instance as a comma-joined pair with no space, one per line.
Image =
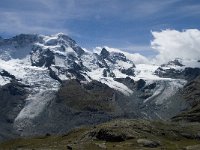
148,143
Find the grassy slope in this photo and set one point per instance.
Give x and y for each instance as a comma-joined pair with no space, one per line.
169,135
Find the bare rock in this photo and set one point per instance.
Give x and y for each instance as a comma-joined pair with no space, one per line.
101,145
148,143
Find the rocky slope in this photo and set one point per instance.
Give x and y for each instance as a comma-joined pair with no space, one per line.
191,93
52,84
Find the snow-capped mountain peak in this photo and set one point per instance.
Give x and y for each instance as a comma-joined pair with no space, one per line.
63,59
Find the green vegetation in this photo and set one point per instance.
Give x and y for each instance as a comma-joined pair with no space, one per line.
118,134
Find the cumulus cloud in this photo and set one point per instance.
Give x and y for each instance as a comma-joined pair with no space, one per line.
172,44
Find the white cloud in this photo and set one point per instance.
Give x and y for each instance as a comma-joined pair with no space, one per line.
172,44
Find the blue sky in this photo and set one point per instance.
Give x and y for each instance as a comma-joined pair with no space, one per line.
124,24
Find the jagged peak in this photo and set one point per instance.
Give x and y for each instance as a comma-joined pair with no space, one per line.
175,62
60,34
57,35
135,57
58,38
104,53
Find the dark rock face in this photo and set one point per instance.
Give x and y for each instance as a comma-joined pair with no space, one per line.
78,50
169,73
143,91
173,63
191,93
100,61
126,81
150,86
7,74
12,100
192,115
187,73
53,75
113,58
46,58
147,91
77,74
191,73
129,71
110,136
104,53
108,73
119,56
140,84
105,72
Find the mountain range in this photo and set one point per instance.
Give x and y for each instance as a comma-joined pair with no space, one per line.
50,85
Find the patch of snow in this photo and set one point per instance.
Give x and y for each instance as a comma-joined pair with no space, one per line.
165,89
90,61
60,61
97,75
39,81
116,85
146,72
171,87
119,74
35,104
123,64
